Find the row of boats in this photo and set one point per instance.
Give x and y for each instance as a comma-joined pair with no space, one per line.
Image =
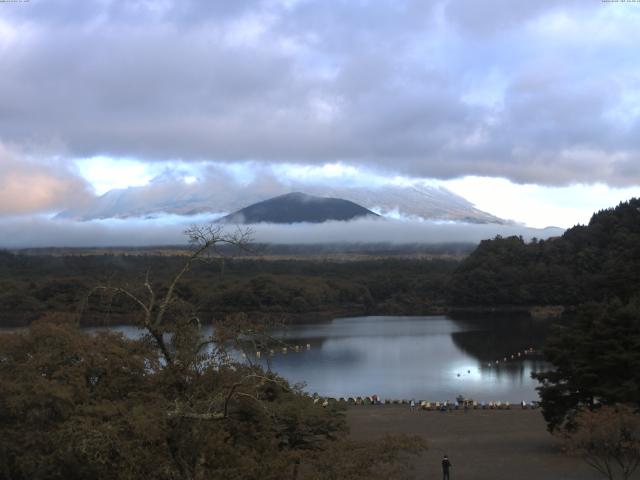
446,405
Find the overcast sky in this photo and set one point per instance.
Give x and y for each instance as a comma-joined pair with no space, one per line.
529,109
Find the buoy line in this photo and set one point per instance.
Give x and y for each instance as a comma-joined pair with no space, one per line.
442,406
284,350
514,356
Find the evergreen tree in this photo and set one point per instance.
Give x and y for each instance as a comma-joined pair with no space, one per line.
596,362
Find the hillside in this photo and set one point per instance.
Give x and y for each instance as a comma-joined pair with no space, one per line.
298,207
595,262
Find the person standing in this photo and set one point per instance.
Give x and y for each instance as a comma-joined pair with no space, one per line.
446,465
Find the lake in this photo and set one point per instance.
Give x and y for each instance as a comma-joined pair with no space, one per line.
398,357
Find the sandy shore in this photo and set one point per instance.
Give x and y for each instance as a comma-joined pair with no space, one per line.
482,444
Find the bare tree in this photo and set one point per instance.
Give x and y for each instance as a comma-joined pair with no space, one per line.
206,242
178,336
608,439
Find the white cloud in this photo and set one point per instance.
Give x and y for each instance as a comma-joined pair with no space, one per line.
7,34
539,206
105,174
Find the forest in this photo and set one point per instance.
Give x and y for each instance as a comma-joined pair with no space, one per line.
594,262
293,289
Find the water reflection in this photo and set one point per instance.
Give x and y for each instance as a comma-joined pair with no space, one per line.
434,358
129,331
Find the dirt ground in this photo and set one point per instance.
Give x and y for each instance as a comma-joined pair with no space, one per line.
482,444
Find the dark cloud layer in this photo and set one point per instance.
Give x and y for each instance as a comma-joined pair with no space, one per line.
540,92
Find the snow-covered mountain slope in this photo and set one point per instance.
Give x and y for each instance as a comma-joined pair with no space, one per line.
418,202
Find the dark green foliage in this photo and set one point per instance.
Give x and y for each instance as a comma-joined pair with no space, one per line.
596,361
596,262
31,285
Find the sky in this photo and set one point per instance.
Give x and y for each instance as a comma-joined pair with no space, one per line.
529,110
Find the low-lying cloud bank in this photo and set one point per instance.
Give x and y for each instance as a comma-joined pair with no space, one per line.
45,232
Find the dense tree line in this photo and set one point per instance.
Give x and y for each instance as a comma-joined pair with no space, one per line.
599,261
596,362
31,285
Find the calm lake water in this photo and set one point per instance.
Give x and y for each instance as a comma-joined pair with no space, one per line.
434,358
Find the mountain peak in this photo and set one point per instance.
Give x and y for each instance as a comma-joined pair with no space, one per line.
297,207
299,196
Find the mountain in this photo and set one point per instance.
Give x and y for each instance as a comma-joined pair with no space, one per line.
298,207
161,197
412,201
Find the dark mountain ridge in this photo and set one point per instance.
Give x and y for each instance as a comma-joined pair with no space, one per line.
298,207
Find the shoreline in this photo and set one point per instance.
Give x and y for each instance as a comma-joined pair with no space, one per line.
537,312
